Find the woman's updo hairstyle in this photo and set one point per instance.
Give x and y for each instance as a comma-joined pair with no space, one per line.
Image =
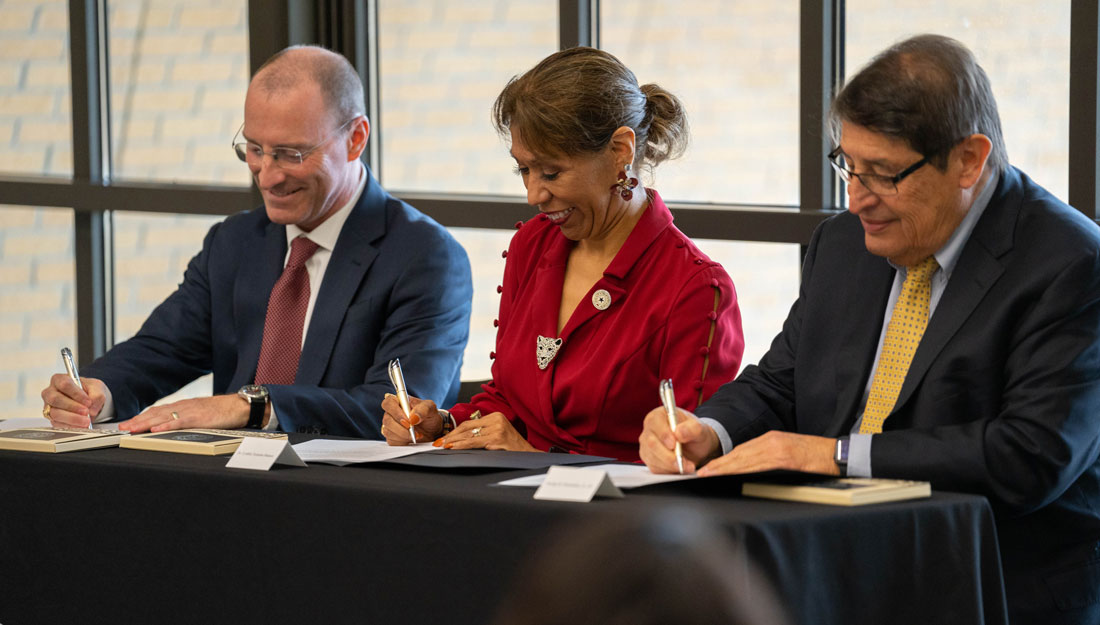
571,103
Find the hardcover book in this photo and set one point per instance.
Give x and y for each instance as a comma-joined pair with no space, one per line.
57,440
201,442
849,491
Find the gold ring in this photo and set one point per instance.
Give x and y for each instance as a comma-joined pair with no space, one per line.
477,431
46,411
175,416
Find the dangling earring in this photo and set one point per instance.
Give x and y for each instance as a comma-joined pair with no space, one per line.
625,184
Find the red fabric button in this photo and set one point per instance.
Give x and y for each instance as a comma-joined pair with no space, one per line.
712,315
504,254
519,224
492,355
496,323
500,289
698,261
703,351
698,385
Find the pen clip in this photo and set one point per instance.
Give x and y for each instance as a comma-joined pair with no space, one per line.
668,399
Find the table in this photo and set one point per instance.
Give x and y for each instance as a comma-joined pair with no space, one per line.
128,536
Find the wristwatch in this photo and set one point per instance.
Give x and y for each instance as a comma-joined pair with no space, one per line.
840,456
257,398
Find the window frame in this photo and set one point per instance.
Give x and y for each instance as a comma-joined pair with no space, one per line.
350,26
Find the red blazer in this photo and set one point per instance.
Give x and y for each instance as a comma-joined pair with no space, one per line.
672,314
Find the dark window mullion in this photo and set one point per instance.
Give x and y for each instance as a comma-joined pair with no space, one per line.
92,243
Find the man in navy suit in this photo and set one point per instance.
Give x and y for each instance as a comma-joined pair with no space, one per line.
384,281
1000,393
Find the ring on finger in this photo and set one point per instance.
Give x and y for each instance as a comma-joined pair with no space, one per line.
46,411
175,416
477,431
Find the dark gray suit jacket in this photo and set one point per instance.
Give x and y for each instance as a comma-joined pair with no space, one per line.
397,286
1002,397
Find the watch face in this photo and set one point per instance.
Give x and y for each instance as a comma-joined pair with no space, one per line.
253,391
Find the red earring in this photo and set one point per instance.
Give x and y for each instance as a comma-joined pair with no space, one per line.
624,184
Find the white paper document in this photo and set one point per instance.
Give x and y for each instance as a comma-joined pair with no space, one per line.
340,452
21,423
622,476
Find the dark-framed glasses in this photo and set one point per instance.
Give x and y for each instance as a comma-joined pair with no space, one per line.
875,183
253,154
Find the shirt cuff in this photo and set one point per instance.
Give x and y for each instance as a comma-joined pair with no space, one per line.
859,455
720,430
273,421
107,412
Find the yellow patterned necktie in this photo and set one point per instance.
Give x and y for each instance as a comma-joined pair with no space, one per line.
903,334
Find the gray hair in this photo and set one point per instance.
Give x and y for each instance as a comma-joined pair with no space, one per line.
928,91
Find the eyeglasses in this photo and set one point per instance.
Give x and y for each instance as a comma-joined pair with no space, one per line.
875,183
253,154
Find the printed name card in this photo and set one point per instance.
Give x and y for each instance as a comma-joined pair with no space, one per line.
576,484
260,454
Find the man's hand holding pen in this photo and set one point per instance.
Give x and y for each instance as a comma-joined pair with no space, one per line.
66,404
658,442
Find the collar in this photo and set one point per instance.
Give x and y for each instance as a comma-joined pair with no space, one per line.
326,234
948,255
654,220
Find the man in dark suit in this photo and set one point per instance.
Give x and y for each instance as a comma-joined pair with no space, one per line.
296,308
999,394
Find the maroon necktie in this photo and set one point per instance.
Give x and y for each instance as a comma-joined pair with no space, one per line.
286,316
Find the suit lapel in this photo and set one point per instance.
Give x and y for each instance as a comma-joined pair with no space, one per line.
870,291
251,291
350,260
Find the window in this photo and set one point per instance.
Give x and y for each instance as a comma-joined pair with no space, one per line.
179,71
1023,47
35,123
442,65
37,311
734,65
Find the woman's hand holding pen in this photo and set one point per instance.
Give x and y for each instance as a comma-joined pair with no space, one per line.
425,420
65,404
493,431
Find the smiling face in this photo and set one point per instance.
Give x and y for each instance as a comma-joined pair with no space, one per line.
296,117
574,192
912,225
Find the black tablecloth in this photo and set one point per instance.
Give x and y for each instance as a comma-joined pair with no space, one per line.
127,536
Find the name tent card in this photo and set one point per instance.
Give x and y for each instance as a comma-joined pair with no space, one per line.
576,484
260,454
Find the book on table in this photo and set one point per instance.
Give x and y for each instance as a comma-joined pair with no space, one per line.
57,440
841,491
195,441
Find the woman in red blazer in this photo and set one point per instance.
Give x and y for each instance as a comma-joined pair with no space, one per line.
602,296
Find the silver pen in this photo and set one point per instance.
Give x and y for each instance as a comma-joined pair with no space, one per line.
398,380
669,401
70,368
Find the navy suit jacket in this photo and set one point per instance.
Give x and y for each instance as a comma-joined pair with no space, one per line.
1002,397
397,286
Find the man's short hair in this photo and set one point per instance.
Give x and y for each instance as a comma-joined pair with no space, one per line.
340,85
928,91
